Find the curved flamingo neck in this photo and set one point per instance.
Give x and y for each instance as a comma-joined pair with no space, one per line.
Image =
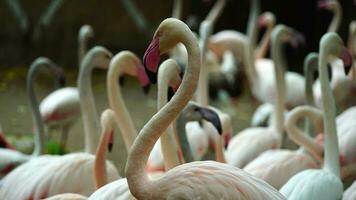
123,117
166,73
36,66
331,158
87,105
100,161
183,140
140,185
85,33
296,134
106,139
335,22
262,49
279,65
310,66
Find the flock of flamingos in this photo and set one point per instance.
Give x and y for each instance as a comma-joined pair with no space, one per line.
164,157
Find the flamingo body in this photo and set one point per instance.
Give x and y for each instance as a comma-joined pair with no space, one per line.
10,159
248,144
67,196
276,167
350,193
315,184
61,106
117,190
50,175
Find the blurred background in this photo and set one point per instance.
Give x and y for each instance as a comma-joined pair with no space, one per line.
32,28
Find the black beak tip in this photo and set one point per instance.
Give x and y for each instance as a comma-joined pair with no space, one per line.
151,75
225,146
146,89
213,118
122,80
110,145
170,93
62,81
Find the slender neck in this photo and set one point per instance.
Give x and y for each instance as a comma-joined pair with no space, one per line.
262,49
279,64
252,30
177,9
140,185
39,128
335,22
87,105
310,66
182,136
116,102
219,149
203,90
331,158
168,144
205,31
297,135
100,161
82,46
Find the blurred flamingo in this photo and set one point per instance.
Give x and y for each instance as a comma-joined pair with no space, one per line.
45,176
324,183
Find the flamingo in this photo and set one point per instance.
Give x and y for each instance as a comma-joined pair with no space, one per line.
345,124
124,63
11,158
324,183
168,77
335,7
45,176
61,108
106,142
250,142
119,189
283,164
184,181
268,20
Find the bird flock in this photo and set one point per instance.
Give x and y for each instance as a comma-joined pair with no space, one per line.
188,148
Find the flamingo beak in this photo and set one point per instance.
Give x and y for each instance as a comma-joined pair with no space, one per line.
151,60
170,93
111,141
261,22
323,4
347,59
212,117
122,80
143,79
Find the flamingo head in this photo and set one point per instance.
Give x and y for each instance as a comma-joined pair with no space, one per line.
327,5
195,112
108,125
266,19
169,33
97,56
287,34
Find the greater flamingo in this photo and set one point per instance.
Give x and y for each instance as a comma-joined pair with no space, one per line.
324,183
335,7
46,175
10,158
108,125
61,108
187,181
166,147
250,142
277,166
